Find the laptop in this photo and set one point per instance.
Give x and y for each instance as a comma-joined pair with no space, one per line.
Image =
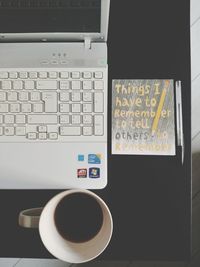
53,94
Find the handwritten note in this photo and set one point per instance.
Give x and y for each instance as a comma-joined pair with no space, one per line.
143,117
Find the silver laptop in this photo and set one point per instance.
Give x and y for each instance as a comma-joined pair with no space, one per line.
53,94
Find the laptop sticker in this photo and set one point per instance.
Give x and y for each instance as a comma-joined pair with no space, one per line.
82,173
81,158
94,173
94,159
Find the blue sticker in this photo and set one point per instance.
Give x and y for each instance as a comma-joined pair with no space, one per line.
94,173
81,158
94,159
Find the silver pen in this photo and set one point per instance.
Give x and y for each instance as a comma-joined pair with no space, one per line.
179,118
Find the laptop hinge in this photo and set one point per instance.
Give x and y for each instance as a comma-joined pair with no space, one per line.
87,43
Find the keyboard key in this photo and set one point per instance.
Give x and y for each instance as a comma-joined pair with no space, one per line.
26,108
87,108
53,75
23,96
17,85
23,75
15,108
1,130
32,136
3,75
3,108
64,75
46,85
33,75
64,96
76,108
38,108
42,136
70,131
12,96
1,119
87,131
29,85
20,131
9,119
64,108
50,99
64,85
98,75
2,96
98,102
76,97
75,75
42,119
98,125
42,129
87,75
76,119
53,136
87,119
6,85
87,97
42,74
9,131
87,85
98,85
64,119
35,96
13,75
20,119
76,85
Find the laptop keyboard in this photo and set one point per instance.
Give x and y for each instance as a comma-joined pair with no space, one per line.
51,105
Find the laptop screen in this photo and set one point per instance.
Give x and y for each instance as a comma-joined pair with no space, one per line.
38,16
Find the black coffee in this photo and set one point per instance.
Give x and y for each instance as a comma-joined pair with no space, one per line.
78,217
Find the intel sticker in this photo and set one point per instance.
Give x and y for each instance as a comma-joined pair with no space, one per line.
94,173
94,159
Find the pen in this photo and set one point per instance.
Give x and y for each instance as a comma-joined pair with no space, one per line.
179,118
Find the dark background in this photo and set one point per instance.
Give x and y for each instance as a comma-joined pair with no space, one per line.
149,197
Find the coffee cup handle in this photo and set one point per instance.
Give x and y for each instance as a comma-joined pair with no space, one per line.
30,218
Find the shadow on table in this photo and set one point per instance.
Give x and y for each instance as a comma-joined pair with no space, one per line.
195,230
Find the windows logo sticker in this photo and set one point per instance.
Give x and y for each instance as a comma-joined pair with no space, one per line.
94,173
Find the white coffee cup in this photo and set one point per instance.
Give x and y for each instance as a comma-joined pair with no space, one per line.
59,246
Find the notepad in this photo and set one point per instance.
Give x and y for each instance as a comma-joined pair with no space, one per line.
143,117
